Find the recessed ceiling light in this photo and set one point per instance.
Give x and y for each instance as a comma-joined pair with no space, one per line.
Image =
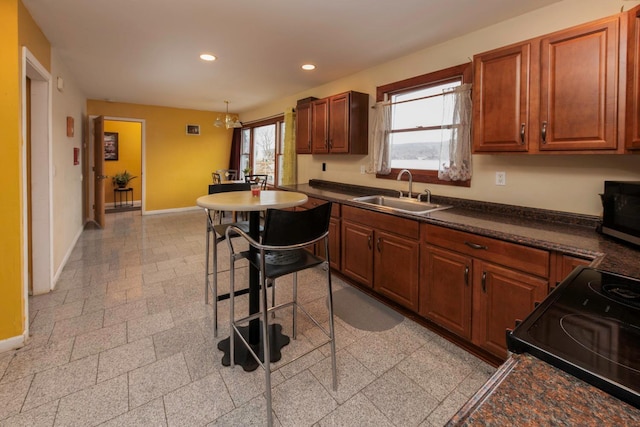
207,57
308,67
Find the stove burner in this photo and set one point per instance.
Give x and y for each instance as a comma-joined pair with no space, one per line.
622,293
601,335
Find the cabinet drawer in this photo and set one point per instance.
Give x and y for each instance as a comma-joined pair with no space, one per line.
312,202
394,224
524,258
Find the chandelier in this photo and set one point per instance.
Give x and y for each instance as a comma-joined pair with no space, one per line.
229,121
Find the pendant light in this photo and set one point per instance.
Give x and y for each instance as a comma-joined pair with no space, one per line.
229,121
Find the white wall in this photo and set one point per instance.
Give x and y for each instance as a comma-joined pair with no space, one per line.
569,183
67,177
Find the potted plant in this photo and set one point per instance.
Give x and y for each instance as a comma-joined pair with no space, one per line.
246,171
121,179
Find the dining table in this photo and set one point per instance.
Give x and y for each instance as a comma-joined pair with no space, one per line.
245,201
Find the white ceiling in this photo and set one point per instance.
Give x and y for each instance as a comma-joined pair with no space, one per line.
146,51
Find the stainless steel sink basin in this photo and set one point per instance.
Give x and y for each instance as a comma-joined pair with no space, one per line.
401,204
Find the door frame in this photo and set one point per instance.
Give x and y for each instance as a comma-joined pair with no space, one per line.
89,172
41,197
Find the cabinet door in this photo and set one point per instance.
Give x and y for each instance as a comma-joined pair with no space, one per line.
578,88
334,243
565,265
501,100
395,266
303,128
445,289
633,81
357,252
501,296
339,123
320,126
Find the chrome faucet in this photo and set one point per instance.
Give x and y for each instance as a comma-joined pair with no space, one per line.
427,193
402,172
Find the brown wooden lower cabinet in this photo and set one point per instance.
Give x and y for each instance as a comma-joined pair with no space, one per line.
500,297
357,252
395,267
382,252
462,290
445,291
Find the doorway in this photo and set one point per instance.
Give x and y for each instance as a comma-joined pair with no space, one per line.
126,152
37,269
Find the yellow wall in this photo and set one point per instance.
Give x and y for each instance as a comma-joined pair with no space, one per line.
129,156
31,35
11,302
17,29
177,166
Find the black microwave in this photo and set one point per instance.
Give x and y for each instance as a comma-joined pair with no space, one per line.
621,210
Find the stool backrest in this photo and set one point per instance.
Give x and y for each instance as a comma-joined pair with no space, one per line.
257,179
228,174
284,228
233,186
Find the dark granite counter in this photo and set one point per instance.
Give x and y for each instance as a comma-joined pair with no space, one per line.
568,233
528,392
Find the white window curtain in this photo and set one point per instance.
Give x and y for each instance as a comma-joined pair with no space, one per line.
455,149
380,161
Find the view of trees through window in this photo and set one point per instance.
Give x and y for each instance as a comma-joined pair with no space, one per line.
262,149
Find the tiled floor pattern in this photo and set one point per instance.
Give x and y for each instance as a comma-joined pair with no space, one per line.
125,340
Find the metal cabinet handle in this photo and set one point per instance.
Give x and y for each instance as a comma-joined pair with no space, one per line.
466,275
544,132
475,245
522,134
378,244
484,282
369,242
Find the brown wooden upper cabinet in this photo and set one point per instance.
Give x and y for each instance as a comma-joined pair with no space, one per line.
303,128
550,94
338,124
633,80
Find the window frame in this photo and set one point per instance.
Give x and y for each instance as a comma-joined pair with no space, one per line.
278,122
463,72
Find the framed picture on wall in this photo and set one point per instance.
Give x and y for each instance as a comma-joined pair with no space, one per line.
193,129
111,145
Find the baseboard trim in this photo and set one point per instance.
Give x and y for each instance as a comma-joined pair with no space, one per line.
12,343
175,210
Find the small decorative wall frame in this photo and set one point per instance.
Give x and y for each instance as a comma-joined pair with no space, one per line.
193,129
111,145
69,126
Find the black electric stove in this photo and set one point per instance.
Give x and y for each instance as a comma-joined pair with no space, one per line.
589,326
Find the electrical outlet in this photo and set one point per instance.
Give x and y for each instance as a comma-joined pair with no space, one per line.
362,169
501,178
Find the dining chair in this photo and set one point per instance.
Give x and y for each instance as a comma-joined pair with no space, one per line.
258,179
217,232
281,252
228,174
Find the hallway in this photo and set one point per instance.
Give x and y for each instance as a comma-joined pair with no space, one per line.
126,340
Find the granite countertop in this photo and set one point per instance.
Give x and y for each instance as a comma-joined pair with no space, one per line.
528,391
571,234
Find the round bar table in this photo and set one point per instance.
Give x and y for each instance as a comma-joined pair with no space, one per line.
244,201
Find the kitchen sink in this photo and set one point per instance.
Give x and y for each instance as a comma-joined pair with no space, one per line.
401,204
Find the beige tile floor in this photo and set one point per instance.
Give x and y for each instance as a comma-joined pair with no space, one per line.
126,340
